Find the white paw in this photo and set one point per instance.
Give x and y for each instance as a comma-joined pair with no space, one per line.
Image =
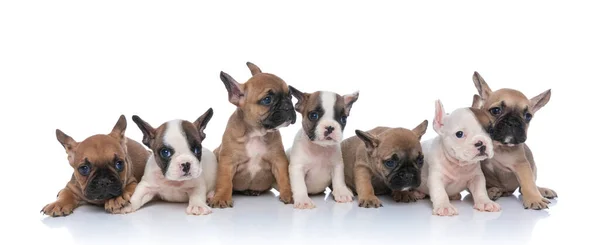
419,195
343,195
489,206
125,210
201,209
446,209
303,203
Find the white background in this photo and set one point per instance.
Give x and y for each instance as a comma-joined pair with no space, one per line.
78,65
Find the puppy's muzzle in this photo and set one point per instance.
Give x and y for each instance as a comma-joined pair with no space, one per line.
510,130
104,185
282,112
405,180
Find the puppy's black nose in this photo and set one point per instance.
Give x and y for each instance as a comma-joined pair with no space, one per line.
329,130
478,144
185,167
104,182
482,149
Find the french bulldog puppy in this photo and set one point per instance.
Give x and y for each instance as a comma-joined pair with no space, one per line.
180,169
316,155
251,156
383,161
513,165
106,168
452,159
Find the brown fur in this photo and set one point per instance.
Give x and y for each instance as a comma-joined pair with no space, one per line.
512,166
363,163
99,150
232,173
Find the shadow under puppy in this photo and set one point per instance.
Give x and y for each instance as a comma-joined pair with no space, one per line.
452,160
383,161
513,165
106,170
316,155
251,157
180,169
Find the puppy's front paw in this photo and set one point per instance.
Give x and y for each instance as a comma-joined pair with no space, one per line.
536,203
117,203
494,193
445,209
304,203
547,193
58,209
201,209
219,202
404,196
369,202
286,197
489,206
343,195
125,210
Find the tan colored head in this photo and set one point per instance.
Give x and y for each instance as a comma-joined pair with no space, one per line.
396,156
265,99
511,111
100,162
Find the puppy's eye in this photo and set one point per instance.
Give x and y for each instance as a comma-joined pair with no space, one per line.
166,153
420,161
119,165
528,117
313,116
196,150
459,134
84,170
496,111
390,163
343,120
267,100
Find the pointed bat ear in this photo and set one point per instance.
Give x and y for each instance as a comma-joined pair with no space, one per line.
482,87
148,131
253,68
234,89
371,141
202,121
477,102
349,100
68,143
440,114
300,96
118,131
540,101
421,129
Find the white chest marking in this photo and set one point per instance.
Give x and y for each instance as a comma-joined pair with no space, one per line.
255,149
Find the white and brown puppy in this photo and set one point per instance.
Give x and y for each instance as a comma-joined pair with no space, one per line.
180,169
513,165
251,155
316,155
452,159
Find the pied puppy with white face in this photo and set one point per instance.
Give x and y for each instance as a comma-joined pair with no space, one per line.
452,160
180,169
316,155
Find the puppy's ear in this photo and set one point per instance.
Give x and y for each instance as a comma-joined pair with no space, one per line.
300,96
202,121
477,102
148,131
68,143
234,89
253,68
421,129
482,87
118,131
371,141
540,101
349,99
440,114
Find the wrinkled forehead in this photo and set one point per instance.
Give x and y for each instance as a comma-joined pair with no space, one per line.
509,97
402,142
98,149
263,83
465,119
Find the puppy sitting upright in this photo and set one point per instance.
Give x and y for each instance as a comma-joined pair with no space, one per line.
452,159
251,155
316,156
513,165
383,161
180,170
107,168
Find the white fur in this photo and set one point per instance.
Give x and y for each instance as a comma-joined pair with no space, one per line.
255,149
194,190
328,100
314,165
452,165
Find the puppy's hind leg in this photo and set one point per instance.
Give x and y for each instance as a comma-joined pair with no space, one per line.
495,192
